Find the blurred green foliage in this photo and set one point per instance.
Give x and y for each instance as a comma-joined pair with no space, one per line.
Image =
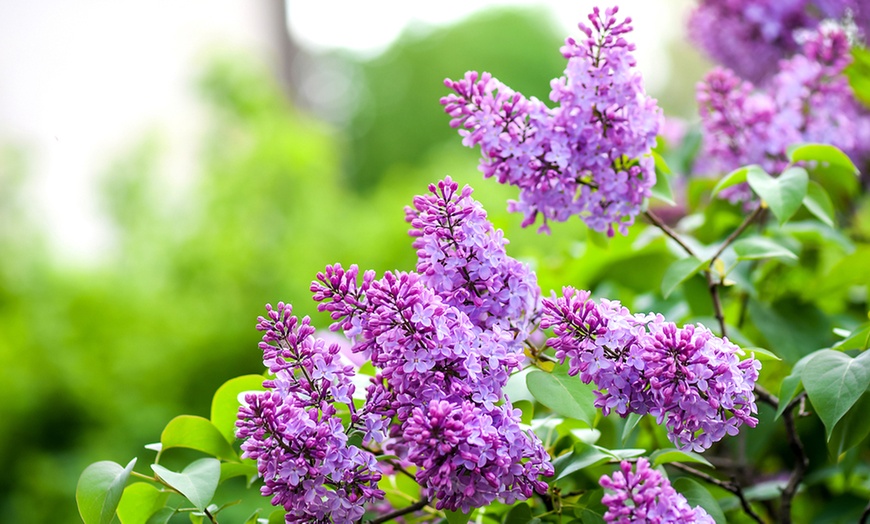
95,360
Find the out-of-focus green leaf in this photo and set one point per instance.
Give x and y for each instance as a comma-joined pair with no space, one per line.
824,153
189,431
668,455
756,247
519,514
818,202
697,495
198,481
99,490
852,429
858,339
246,468
582,456
738,176
457,517
834,381
139,502
162,516
791,385
225,403
662,188
784,194
564,394
679,272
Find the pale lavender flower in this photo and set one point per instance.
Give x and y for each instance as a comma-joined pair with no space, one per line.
646,496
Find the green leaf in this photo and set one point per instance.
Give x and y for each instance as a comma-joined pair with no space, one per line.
819,203
697,495
662,188
564,394
738,176
225,403
858,339
277,516
162,516
852,429
587,516
668,455
99,490
834,381
762,354
253,518
630,423
791,384
528,411
457,517
823,153
755,247
784,194
197,482
582,456
519,514
679,272
139,502
247,469
189,431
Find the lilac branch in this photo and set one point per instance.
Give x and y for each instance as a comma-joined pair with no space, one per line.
422,503
800,467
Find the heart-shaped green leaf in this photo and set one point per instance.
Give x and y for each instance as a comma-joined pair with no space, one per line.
819,203
189,431
99,490
564,394
823,153
662,188
784,194
834,382
139,502
225,403
738,176
197,482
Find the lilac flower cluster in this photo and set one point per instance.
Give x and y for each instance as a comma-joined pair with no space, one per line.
295,433
689,379
644,495
444,342
752,36
808,100
587,157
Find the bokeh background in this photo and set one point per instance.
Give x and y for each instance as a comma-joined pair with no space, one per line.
167,168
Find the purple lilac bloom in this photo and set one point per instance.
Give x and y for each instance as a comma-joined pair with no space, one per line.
293,430
462,257
645,496
689,379
444,342
809,100
752,36
589,156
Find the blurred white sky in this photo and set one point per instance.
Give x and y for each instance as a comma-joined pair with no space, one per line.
80,81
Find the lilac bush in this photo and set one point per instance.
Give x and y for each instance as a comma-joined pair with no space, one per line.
808,100
587,157
752,36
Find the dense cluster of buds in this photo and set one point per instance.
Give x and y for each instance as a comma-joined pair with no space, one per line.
644,495
589,156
